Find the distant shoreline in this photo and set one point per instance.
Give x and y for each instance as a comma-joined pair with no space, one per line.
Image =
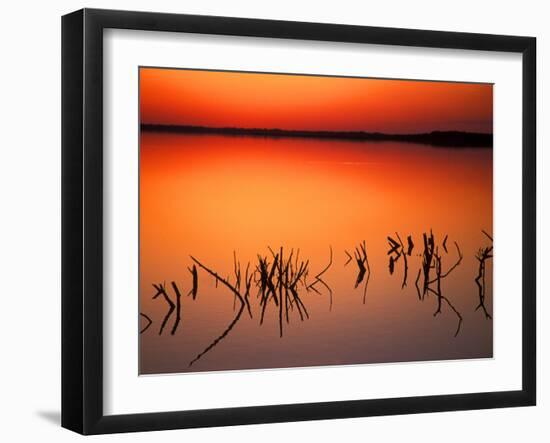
435,138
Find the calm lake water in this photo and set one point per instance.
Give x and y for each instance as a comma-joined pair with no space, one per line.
209,195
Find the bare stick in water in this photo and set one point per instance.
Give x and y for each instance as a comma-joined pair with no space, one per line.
150,322
362,261
161,290
483,254
195,289
440,275
178,307
318,279
235,319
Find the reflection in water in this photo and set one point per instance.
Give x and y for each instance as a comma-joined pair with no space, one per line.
361,258
483,254
280,284
280,279
195,288
427,266
161,290
319,280
149,322
299,307
235,289
396,251
432,261
178,307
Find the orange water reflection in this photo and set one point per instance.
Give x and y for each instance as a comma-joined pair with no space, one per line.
211,195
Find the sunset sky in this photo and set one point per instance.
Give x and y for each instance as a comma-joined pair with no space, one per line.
246,100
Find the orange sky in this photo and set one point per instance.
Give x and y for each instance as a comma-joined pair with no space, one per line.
246,100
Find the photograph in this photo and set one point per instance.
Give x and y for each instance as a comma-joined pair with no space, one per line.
291,220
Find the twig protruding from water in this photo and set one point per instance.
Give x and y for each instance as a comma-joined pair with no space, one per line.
482,255
149,322
161,290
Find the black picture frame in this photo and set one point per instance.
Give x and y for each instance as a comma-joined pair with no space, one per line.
82,219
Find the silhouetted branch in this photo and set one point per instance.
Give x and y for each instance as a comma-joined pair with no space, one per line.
349,258
150,322
326,268
368,279
410,245
280,286
416,284
398,248
393,245
487,235
482,256
392,264
221,337
362,269
248,282
427,260
431,260
237,316
440,298
161,290
440,276
452,268
279,281
362,261
457,314
405,263
194,290
220,279
178,307
318,279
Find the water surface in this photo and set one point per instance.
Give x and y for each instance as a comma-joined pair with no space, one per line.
210,195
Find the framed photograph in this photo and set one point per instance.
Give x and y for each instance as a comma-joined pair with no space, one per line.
268,221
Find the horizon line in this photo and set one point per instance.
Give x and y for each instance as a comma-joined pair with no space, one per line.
436,137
